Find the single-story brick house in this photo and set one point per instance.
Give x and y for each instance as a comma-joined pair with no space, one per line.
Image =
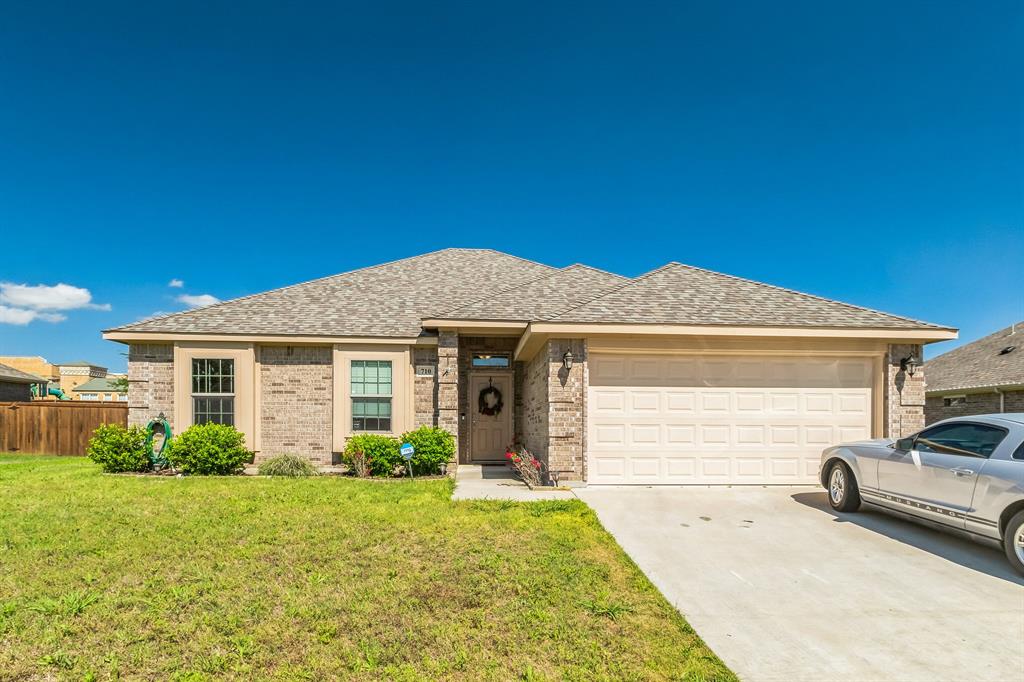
681,375
982,377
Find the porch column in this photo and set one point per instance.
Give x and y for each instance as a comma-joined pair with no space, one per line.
904,394
448,388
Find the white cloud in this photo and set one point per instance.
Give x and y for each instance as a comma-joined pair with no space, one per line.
176,283
43,297
198,300
20,316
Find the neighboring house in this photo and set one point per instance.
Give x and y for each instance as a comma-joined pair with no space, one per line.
681,375
74,374
105,389
16,385
982,377
33,365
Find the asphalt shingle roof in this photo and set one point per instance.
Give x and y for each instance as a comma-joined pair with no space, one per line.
381,301
16,376
98,385
686,295
979,364
392,299
542,297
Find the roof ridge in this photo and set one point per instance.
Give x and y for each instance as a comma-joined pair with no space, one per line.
546,275
814,296
591,267
288,286
627,283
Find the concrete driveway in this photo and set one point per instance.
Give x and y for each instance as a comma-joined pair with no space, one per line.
782,588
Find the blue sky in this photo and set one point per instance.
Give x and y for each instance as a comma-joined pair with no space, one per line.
869,152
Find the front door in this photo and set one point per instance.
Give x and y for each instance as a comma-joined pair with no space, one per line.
490,408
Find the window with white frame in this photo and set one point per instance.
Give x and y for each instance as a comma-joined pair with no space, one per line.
90,396
213,391
122,397
949,401
370,392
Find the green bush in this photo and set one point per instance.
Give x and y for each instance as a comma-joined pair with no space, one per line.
434,446
288,465
116,448
209,449
382,455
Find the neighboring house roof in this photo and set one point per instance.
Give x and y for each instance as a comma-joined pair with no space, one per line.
16,376
392,299
99,385
78,363
686,295
980,364
543,297
386,300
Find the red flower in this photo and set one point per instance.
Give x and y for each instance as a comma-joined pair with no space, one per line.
536,463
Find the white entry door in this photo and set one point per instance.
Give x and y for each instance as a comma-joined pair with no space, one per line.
720,419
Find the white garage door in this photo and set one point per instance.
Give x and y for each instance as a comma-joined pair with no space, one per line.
721,419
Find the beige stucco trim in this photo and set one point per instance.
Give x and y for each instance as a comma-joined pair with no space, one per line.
537,334
402,378
245,383
157,337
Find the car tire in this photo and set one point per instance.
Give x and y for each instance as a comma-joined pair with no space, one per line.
1013,541
841,488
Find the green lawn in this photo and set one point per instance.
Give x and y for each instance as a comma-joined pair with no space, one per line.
210,578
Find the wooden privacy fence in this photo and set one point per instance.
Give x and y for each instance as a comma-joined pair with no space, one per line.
51,427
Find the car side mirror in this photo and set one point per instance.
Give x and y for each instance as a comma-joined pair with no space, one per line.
905,444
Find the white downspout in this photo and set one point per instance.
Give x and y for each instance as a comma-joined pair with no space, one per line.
1002,400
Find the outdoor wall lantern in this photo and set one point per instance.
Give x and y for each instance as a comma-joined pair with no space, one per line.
910,364
567,360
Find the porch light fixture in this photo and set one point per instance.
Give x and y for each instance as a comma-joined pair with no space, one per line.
567,360
910,364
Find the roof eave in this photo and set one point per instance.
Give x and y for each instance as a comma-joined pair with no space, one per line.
122,336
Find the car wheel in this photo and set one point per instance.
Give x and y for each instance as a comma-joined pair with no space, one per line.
1013,541
842,490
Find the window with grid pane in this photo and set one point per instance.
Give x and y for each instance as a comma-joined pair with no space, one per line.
213,391
371,395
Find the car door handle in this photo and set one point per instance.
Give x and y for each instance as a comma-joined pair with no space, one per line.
961,471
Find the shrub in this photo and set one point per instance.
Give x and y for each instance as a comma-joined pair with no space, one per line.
288,465
381,452
434,446
209,449
116,448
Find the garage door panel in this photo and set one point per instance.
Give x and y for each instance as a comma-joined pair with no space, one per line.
708,420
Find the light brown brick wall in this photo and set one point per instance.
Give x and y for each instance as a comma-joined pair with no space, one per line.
977,403
904,399
425,388
532,424
567,391
448,387
150,383
296,401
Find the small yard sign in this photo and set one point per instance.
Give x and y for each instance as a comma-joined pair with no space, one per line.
407,450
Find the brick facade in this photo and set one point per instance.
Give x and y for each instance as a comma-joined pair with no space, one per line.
532,426
150,383
903,399
448,388
935,408
567,409
296,401
424,388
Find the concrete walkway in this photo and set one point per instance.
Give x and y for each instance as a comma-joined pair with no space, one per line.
475,482
782,588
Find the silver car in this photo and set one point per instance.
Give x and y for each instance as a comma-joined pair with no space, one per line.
964,474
